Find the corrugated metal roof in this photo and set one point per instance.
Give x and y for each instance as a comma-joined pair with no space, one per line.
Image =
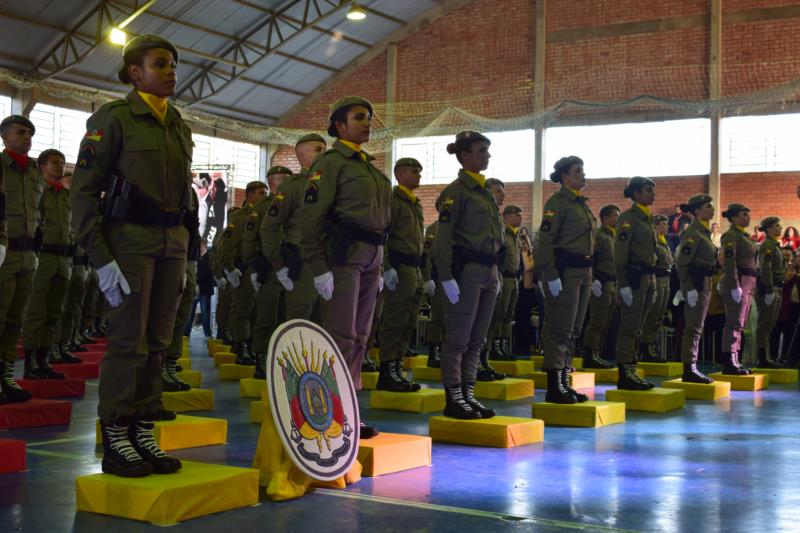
250,60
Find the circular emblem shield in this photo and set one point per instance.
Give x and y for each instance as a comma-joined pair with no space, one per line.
312,399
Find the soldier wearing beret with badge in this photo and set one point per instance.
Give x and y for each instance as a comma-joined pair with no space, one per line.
468,240
22,188
564,258
138,151
403,256
696,264
655,314
635,261
769,287
740,269
343,229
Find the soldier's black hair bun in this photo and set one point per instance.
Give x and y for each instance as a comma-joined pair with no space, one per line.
451,148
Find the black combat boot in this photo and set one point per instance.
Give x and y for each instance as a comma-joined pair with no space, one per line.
765,361
647,353
367,364
692,375
68,357
485,371
434,355
579,396
120,458
169,377
496,353
242,357
54,355
629,380
457,406
85,338
13,392
556,393
31,368
42,355
505,346
141,437
367,432
401,373
261,366
468,389
388,379
731,366
166,414
592,359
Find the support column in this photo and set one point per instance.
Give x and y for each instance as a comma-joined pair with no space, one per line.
538,106
715,93
22,102
391,97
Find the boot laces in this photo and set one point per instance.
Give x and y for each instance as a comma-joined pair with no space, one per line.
119,442
171,368
469,396
8,377
145,439
457,397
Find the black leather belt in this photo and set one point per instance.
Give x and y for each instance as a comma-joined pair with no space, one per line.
21,244
744,271
65,250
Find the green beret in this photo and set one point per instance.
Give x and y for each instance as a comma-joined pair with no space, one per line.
511,210
311,137
344,103
696,201
408,162
734,209
148,41
255,185
277,169
768,222
658,219
472,136
17,119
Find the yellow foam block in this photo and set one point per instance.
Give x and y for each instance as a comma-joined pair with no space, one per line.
497,432
410,363
513,368
610,375
214,349
185,363
578,380
656,400
375,354
504,389
257,412
422,401
753,382
209,342
189,400
538,361
234,371
251,387
700,391
191,377
591,414
426,373
185,432
197,490
369,380
779,375
224,358
666,370
392,452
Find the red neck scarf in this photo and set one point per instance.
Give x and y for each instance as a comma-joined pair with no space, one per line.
22,160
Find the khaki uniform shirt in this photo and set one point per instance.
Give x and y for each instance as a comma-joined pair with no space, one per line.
283,218
406,233
567,224
230,249
24,206
738,252
695,249
635,243
773,266
513,255
604,252
56,229
251,240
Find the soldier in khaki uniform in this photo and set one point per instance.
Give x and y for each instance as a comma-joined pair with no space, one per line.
563,257
51,280
503,317
740,269
655,314
769,290
139,151
269,292
403,256
635,262
70,334
230,258
434,333
23,188
343,230
696,264
89,304
223,310
468,240
605,299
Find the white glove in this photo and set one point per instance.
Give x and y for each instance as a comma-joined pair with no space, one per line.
769,298
2,254
597,288
380,284
234,277
221,282
541,288
390,279
676,301
429,287
85,276
691,297
112,283
736,294
284,279
324,285
254,281
555,287
36,261
626,293
183,282
451,290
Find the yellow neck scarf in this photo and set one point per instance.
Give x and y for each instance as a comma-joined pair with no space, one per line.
157,104
612,230
408,192
704,223
480,178
513,229
662,239
576,192
742,229
645,209
355,147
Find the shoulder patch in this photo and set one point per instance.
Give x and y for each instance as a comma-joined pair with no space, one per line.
549,213
251,225
445,215
547,224
315,176
94,135
274,209
86,156
689,240
312,192
623,235
729,253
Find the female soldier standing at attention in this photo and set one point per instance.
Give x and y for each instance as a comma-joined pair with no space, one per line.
770,283
346,210
635,261
564,257
468,240
740,260
696,263
138,150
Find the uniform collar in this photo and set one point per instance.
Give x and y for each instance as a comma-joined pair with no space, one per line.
742,230
408,193
662,239
140,107
572,194
703,228
57,185
22,160
644,209
348,149
157,104
609,229
512,229
480,179
576,192
468,180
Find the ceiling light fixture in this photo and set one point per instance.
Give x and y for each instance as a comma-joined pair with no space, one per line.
118,36
356,12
